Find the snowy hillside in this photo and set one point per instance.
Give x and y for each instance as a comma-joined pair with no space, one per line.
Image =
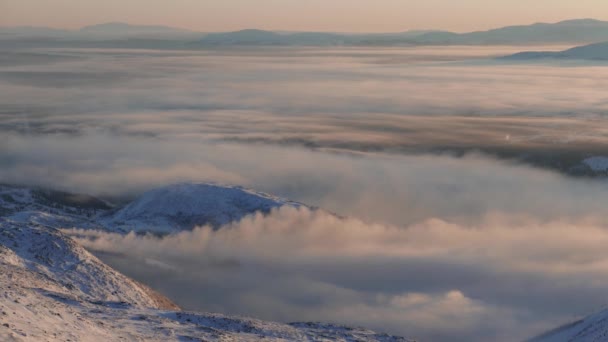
58,259
14,199
593,328
51,289
184,206
597,163
162,210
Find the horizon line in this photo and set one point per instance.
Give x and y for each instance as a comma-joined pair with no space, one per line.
291,31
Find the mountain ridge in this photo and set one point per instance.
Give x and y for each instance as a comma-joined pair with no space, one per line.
591,52
568,31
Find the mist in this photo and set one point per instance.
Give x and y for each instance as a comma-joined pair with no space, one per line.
450,209
380,188
497,279
397,100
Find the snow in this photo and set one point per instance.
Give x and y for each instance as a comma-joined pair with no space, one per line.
184,206
52,289
51,207
49,253
593,328
597,164
163,210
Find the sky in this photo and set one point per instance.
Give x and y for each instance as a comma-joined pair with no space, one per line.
298,15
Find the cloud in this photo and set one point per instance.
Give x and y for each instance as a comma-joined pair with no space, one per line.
379,188
354,100
433,280
448,242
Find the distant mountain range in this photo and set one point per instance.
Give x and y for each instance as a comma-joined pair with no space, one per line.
571,31
580,31
100,32
260,37
592,52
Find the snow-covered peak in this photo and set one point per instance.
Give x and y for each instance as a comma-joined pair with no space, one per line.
597,164
162,210
186,205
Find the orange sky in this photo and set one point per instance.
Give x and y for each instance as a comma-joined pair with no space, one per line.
300,15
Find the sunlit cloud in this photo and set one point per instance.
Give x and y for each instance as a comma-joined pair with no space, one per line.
434,280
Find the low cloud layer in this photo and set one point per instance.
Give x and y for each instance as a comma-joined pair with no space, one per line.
378,188
440,245
355,100
500,279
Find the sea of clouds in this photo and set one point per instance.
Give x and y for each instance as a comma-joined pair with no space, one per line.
437,246
501,279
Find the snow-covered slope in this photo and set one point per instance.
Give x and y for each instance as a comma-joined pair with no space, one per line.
597,163
51,289
593,328
117,30
58,259
163,210
14,199
184,206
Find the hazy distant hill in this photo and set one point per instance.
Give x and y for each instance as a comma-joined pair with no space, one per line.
99,32
570,31
597,52
579,31
260,37
32,32
117,30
